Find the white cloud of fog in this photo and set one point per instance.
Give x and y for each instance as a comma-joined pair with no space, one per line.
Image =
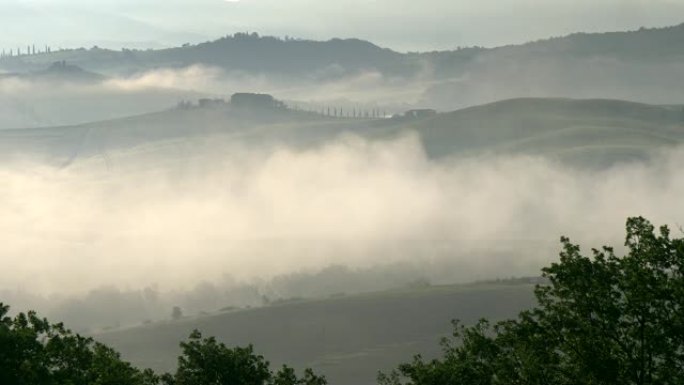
329,85
196,77
352,202
32,102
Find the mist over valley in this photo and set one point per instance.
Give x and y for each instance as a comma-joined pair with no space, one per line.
295,194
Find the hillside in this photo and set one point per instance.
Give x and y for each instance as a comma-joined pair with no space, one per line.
335,57
62,93
641,65
58,72
587,133
346,338
645,43
239,52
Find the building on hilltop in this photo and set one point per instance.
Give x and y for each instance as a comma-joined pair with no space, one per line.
59,65
211,103
419,113
250,100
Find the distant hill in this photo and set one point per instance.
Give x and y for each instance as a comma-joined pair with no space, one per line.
585,133
62,71
240,52
637,65
266,54
271,55
58,72
349,339
643,65
63,93
645,44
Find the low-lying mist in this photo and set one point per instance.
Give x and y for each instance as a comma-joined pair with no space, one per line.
230,225
48,98
51,102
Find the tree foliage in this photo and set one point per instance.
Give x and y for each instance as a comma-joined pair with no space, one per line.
601,319
206,361
33,351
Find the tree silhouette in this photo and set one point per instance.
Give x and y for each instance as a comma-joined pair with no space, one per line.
176,313
602,319
33,351
207,361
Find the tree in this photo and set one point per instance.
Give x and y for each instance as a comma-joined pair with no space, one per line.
601,319
176,313
207,361
33,351
287,376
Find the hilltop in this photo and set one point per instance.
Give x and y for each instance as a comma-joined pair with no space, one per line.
58,72
588,133
238,52
591,131
251,52
638,65
64,93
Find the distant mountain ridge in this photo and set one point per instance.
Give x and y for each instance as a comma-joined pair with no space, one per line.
239,52
643,66
641,42
267,54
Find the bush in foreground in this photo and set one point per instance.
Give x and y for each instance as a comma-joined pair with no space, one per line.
35,352
601,319
206,361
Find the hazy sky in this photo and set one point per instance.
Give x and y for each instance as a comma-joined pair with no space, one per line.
399,24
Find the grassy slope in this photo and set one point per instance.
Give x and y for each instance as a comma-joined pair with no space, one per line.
588,132
566,129
348,338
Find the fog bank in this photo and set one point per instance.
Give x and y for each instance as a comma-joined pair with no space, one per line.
353,202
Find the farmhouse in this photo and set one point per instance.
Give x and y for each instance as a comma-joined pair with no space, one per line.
420,113
211,103
250,100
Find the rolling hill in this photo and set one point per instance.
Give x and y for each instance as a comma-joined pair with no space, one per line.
349,339
642,65
58,72
239,52
266,54
600,132
586,133
63,93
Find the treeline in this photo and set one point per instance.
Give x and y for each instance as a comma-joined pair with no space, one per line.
29,51
600,319
110,307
